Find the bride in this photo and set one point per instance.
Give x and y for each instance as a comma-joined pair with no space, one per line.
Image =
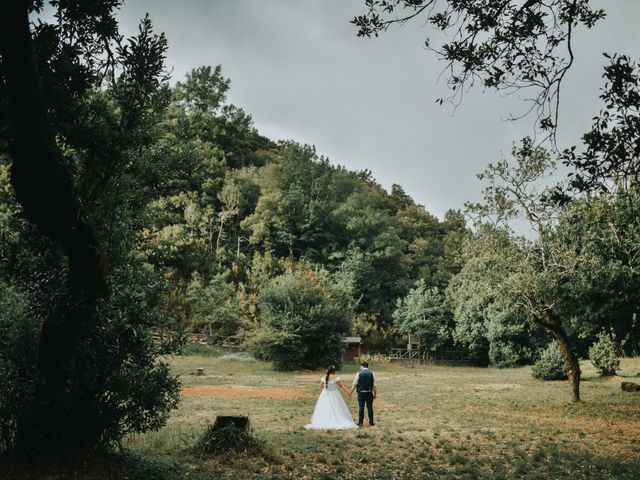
331,412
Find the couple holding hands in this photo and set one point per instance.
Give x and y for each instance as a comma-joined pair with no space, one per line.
331,412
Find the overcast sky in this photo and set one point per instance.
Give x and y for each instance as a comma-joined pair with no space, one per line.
298,68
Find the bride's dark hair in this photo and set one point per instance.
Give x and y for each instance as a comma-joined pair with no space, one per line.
330,370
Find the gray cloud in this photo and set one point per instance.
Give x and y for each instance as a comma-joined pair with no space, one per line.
298,68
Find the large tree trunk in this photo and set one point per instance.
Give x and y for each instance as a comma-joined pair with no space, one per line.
570,361
44,188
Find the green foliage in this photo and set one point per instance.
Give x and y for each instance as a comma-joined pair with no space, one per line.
84,368
423,312
200,350
119,360
284,205
215,305
18,354
115,370
602,238
579,275
567,278
491,326
610,161
304,317
605,355
513,338
137,467
203,90
550,365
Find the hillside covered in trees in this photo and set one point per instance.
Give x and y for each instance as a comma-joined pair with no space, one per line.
240,210
227,217
225,211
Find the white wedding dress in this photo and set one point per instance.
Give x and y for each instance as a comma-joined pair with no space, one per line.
331,412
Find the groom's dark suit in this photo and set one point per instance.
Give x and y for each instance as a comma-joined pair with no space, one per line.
365,387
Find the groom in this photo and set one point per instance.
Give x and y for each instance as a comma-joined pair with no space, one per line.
365,383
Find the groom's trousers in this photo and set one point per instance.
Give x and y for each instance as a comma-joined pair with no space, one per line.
365,398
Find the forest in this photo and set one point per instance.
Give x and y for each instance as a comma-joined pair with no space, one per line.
132,203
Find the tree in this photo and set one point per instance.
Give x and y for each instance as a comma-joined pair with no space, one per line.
201,108
203,90
604,234
578,274
79,107
237,203
492,327
371,227
215,305
423,312
533,270
506,45
304,317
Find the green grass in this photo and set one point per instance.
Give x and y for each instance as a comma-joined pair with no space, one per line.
432,421
191,349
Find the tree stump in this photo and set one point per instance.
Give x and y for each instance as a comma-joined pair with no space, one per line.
630,387
238,422
229,433
199,371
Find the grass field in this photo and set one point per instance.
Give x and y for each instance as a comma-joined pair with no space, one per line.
431,422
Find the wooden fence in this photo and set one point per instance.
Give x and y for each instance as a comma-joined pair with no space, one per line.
164,335
413,355
428,356
404,354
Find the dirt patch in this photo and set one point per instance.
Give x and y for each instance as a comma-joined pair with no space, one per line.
496,386
246,392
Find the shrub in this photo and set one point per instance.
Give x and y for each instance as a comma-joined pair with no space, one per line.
550,365
504,355
604,355
512,337
304,317
136,390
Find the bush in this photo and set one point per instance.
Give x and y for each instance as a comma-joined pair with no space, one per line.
604,355
304,317
511,335
504,355
550,365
